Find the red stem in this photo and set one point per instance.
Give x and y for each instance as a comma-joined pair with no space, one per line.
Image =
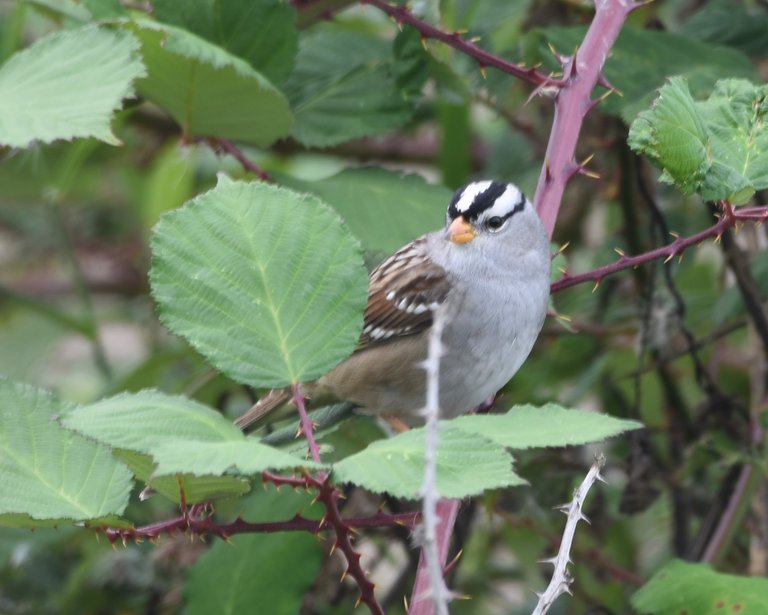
447,510
244,161
676,248
402,15
581,73
329,496
205,525
306,425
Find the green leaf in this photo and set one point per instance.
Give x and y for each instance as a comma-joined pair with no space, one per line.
170,182
529,426
207,90
344,87
195,488
261,33
681,587
717,147
257,573
266,283
67,85
48,473
384,209
467,464
141,421
731,23
181,435
105,9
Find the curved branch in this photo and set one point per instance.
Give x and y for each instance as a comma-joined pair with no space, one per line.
453,39
676,248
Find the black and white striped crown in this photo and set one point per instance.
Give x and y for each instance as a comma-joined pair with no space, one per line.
493,198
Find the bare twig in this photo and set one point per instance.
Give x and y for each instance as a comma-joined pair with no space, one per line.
402,15
669,251
244,161
437,593
446,513
203,524
329,496
561,579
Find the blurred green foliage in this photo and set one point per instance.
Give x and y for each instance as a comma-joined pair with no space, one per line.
311,106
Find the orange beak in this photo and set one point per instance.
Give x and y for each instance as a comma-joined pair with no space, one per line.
461,231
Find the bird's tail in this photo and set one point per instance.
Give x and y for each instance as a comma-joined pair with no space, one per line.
268,402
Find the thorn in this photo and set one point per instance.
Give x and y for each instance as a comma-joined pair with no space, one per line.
333,549
563,270
669,258
584,518
620,252
563,508
482,71
563,317
563,247
405,604
452,564
558,56
587,160
343,575
680,257
357,602
475,40
549,560
718,238
675,234
596,286
601,478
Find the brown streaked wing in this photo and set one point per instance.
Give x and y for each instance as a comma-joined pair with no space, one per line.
402,293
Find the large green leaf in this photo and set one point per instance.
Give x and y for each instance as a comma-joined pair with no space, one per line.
48,473
344,87
67,85
181,435
681,587
641,60
529,426
207,90
266,283
717,147
257,573
262,33
467,464
384,209
732,23
195,488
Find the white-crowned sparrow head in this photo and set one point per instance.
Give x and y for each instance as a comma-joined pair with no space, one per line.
487,273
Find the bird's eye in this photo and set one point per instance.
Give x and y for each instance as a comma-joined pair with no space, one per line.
495,223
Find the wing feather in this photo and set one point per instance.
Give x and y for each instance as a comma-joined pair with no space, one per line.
403,292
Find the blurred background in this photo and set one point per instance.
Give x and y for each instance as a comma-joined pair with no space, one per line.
672,345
